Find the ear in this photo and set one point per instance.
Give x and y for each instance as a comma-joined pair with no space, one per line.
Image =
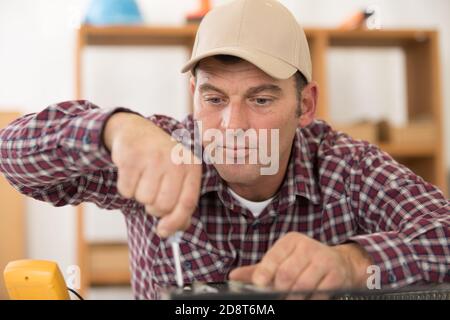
310,95
192,82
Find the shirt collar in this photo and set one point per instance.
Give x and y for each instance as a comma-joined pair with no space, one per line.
302,164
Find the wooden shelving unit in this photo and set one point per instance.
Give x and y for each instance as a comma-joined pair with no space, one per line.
423,82
12,217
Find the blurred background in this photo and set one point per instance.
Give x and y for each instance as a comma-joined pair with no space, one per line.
393,90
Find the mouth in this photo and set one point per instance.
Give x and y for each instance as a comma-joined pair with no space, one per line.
235,152
235,148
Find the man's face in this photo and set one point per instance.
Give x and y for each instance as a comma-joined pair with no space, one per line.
241,96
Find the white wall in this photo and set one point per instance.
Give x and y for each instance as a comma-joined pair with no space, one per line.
37,39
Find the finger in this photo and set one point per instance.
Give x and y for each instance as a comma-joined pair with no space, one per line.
187,202
187,224
127,181
243,274
266,270
331,281
148,187
309,280
319,295
289,270
152,211
169,192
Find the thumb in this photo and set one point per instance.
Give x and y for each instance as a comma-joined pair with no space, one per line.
243,274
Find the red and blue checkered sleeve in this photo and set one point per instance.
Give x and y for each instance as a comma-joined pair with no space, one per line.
58,156
405,222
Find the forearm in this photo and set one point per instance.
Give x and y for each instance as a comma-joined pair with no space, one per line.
358,262
120,122
59,143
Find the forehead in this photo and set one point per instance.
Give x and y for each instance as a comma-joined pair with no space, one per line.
210,68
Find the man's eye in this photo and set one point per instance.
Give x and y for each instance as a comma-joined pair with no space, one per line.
262,101
214,101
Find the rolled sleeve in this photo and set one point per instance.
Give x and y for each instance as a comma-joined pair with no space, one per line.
404,223
397,263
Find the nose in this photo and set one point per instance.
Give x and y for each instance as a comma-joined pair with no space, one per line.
235,116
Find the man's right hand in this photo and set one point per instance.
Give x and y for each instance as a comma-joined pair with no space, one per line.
142,153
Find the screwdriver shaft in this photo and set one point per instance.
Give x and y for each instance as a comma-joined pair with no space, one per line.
175,243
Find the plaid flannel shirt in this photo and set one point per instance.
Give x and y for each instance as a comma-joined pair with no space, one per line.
336,190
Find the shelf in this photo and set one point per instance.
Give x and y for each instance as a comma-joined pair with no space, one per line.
138,35
408,150
174,35
378,38
415,139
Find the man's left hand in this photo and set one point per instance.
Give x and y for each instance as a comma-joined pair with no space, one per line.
297,263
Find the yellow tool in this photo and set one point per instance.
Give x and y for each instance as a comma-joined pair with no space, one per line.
35,280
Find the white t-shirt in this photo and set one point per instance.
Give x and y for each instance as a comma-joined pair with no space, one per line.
255,207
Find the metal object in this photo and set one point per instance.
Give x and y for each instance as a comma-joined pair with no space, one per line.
174,241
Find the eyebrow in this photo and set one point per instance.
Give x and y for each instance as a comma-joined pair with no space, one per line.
209,87
264,87
252,91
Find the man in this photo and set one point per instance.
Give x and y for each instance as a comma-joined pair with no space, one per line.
334,210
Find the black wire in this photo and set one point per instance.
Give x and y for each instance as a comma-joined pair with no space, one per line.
75,293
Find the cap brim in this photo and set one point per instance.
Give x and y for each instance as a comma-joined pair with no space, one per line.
274,67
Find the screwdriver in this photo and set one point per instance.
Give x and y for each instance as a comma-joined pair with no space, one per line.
174,241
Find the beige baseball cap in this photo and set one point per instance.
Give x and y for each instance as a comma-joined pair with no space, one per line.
263,32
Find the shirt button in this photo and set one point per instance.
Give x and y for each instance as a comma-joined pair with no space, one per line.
255,225
187,265
392,277
86,140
